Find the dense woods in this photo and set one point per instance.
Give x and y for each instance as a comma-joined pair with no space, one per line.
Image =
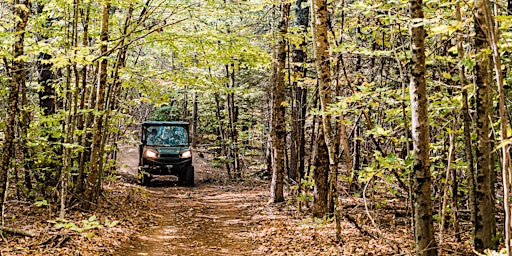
393,102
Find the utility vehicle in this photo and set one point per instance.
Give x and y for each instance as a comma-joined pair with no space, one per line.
165,150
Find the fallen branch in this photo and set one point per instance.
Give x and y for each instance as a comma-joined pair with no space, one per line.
361,229
16,231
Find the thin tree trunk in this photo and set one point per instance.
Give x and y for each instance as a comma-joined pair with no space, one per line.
47,95
113,91
299,104
24,125
83,119
505,148
483,201
184,114
356,156
448,175
222,133
425,244
312,141
321,46
466,121
93,178
233,119
17,73
278,109
320,176
195,120
455,204
341,137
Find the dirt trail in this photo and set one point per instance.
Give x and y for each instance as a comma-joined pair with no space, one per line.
206,219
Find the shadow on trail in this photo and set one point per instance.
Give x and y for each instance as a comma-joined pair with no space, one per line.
167,181
162,183
204,220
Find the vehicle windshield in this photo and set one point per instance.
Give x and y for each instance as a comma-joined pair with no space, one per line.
166,135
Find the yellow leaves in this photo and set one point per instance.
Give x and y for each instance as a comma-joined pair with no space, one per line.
445,29
257,7
21,7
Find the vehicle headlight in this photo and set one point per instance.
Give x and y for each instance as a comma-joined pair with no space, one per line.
151,153
186,154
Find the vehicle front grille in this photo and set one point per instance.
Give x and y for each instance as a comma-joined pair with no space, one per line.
169,156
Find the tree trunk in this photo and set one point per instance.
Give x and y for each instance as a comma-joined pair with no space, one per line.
483,219
222,133
195,121
45,79
47,102
91,192
448,175
113,91
466,122
299,93
321,46
17,74
321,176
83,118
278,109
493,37
233,119
425,243
184,114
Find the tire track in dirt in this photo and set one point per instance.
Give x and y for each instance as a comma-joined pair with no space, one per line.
207,219
202,220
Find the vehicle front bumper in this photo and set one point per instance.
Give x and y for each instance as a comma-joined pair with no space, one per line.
165,165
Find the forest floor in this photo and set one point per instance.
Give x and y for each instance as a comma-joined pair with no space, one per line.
215,217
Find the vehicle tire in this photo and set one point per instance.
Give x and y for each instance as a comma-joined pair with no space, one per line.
186,176
144,177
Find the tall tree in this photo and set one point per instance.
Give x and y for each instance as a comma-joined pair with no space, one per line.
326,171
278,108
233,120
425,243
299,95
483,198
493,38
466,121
93,178
17,74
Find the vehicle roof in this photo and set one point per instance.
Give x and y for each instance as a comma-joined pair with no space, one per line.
150,123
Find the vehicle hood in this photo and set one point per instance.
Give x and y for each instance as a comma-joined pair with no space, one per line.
171,150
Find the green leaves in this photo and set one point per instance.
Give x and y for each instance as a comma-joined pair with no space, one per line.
41,202
84,226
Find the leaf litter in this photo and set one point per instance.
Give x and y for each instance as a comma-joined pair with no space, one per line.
216,217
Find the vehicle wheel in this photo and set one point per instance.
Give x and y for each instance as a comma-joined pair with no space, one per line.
144,177
186,176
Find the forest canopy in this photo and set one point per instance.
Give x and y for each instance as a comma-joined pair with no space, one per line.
409,99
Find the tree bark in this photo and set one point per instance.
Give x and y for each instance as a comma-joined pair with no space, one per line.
233,119
425,244
278,109
184,114
493,38
195,120
483,218
83,119
321,46
466,122
91,193
17,73
299,93
320,176
222,133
